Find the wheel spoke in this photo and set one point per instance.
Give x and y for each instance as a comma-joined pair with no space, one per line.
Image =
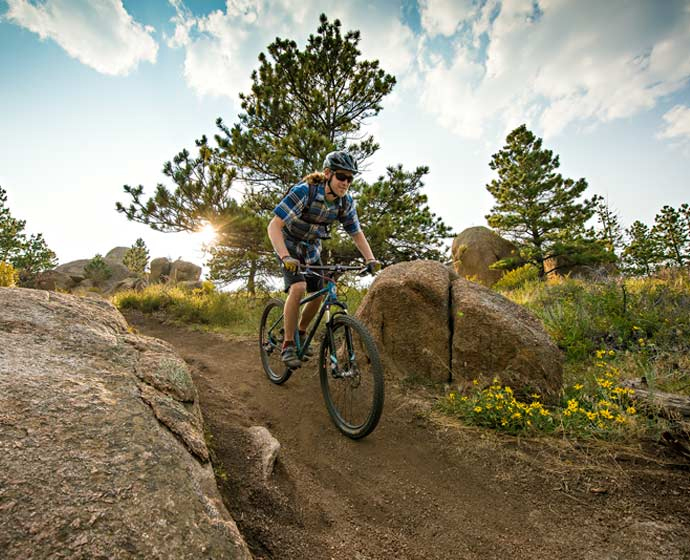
354,394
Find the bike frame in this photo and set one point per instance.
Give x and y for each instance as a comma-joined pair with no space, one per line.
330,300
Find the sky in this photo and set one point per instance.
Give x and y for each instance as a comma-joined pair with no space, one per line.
98,94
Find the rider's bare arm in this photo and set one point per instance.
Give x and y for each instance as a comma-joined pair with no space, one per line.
363,245
275,234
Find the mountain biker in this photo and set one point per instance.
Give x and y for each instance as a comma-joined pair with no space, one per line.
301,220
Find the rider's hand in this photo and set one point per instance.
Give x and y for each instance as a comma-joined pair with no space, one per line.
291,264
373,266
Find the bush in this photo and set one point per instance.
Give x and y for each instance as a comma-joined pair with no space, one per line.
136,258
518,277
8,275
598,408
97,270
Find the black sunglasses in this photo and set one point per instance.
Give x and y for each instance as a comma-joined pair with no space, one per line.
344,177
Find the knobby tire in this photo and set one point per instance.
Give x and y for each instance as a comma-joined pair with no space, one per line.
353,418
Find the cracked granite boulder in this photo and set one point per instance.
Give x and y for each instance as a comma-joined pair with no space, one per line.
102,453
431,325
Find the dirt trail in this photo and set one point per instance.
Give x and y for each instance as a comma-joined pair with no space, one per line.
417,489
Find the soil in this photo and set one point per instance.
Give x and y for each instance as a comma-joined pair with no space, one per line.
420,486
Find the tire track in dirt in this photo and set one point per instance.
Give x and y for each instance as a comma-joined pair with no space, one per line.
411,490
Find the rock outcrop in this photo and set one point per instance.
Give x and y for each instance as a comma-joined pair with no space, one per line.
475,249
71,276
102,453
430,324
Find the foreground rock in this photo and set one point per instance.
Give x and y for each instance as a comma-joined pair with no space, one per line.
102,452
475,249
431,325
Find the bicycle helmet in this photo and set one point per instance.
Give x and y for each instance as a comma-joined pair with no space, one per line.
340,160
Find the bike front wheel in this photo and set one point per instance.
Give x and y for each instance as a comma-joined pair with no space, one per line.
271,335
351,377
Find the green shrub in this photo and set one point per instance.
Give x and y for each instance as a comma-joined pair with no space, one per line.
97,270
598,408
8,275
136,258
518,277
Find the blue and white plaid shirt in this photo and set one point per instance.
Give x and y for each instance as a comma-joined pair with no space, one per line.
302,238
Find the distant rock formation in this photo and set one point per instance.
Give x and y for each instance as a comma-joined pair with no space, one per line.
71,277
475,249
430,324
103,452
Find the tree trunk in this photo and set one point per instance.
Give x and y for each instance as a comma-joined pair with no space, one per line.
251,278
669,404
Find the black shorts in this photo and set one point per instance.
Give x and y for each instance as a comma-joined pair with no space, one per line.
314,283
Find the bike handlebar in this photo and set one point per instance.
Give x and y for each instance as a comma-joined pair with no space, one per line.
335,270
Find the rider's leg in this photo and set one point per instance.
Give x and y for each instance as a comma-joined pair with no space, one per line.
291,309
308,313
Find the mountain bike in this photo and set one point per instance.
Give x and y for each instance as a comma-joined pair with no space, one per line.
349,363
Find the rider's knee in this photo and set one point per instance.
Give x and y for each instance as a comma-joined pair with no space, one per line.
298,288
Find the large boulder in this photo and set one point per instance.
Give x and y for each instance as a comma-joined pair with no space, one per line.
494,337
102,453
475,249
430,324
407,311
116,255
159,270
184,271
54,280
74,269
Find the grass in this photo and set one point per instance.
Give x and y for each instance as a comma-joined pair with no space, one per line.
235,313
609,331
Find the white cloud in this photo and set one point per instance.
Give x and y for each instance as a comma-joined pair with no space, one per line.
677,123
562,63
98,33
222,47
442,17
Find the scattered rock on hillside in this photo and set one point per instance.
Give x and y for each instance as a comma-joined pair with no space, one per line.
475,249
102,453
430,325
116,255
184,271
159,269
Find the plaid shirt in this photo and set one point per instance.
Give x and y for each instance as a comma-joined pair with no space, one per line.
302,238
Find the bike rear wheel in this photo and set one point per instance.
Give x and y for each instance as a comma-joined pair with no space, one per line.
271,334
351,377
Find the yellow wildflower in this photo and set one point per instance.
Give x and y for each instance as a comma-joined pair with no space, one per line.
606,414
631,410
477,408
578,386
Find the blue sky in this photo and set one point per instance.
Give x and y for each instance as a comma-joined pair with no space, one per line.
95,94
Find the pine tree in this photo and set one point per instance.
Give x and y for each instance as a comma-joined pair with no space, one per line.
673,235
399,224
303,104
610,231
641,254
201,195
27,255
537,208
136,258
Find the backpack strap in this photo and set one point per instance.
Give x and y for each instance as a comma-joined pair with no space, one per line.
313,190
